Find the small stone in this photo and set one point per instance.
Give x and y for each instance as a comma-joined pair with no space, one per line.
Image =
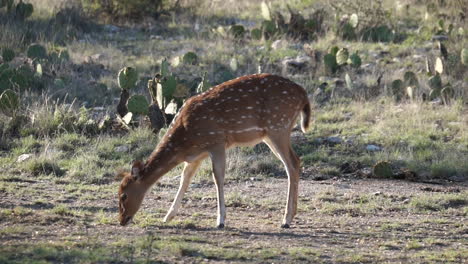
122,148
373,148
334,140
24,157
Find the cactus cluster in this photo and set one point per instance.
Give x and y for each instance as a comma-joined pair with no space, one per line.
20,11
439,90
21,77
337,58
23,10
274,24
406,87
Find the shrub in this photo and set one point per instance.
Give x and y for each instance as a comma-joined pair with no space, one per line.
123,8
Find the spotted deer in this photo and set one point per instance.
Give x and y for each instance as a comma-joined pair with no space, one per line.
243,111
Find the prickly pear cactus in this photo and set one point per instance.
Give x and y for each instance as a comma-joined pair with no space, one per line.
398,89
127,78
9,102
464,56
354,20
334,50
256,34
331,66
165,90
269,28
64,55
435,83
8,55
165,68
36,51
447,94
24,10
266,13
237,31
410,79
383,170
190,58
354,60
349,82
411,92
342,56
138,104
439,66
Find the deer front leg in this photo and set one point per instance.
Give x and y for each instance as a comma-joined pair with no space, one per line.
187,174
218,159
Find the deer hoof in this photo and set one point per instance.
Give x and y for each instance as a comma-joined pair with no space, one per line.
285,226
220,226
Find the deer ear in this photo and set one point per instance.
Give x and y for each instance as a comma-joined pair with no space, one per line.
137,169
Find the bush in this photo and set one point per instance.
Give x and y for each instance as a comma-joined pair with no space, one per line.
123,8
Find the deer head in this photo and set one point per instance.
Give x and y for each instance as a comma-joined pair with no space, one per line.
131,193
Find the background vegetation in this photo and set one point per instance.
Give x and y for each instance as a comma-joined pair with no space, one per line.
389,85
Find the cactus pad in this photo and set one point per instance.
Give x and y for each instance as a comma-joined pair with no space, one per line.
190,58
9,101
464,56
36,51
8,55
331,65
237,31
354,60
398,89
410,79
127,78
342,56
256,34
138,104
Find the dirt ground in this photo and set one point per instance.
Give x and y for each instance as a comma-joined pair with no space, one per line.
338,221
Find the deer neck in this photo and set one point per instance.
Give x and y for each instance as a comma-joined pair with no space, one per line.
162,160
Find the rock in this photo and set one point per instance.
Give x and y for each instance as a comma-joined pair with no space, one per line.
24,157
123,148
373,148
334,140
111,28
458,178
318,141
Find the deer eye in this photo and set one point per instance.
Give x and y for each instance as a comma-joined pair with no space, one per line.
123,197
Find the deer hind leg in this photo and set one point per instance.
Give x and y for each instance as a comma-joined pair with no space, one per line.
218,159
187,174
281,147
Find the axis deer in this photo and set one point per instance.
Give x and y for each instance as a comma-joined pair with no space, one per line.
243,111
